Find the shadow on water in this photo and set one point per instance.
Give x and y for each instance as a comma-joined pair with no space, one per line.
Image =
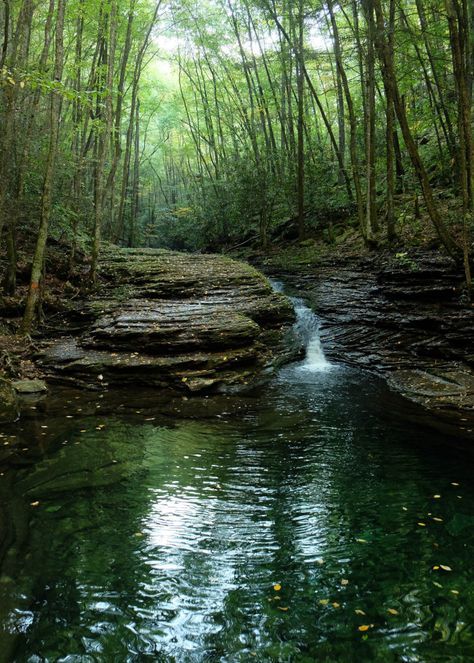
317,519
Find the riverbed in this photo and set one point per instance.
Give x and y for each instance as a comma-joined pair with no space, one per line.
320,517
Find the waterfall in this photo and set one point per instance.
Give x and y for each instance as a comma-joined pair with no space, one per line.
307,331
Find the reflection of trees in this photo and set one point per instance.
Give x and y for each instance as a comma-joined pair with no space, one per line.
178,544
45,563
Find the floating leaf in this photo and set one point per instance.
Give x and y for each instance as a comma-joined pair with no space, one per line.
282,609
277,587
324,601
422,524
358,611
437,584
445,568
454,591
320,561
364,627
435,568
336,604
392,611
34,503
344,582
438,520
361,541
437,497
453,483
404,508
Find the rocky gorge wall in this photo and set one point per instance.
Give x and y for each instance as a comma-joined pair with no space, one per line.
405,318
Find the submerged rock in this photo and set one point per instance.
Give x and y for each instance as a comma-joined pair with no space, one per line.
164,318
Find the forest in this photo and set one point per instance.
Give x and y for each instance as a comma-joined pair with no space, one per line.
211,125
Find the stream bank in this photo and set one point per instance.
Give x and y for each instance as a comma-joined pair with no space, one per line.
164,319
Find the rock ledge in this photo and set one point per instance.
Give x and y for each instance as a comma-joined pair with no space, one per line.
169,319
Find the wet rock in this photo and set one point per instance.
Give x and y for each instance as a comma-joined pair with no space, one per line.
197,322
404,318
8,402
30,386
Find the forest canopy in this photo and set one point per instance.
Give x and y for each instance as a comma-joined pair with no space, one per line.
202,125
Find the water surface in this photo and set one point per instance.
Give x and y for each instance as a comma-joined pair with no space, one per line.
303,522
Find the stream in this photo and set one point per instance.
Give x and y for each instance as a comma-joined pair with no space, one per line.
320,517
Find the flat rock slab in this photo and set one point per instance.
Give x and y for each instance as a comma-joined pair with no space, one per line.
437,389
30,386
162,318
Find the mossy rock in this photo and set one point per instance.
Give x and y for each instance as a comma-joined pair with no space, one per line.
8,402
192,321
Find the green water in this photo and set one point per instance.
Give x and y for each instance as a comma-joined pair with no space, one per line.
161,535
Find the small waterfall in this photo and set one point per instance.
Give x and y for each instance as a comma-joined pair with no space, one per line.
307,330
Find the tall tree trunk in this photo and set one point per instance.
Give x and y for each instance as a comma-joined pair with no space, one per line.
300,86
389,135
46,201
388,71
458,26
371,212
352,121
104,130
135,181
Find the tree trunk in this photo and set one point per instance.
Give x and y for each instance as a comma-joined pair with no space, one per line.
388,72
46,201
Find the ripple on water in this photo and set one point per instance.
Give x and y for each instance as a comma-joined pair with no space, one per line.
167,542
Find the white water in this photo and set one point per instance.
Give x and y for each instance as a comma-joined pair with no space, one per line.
307,330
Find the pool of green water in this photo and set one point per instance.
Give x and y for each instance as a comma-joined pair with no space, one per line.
317,519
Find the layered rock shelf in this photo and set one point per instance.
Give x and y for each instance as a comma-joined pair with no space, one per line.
404,318
168,319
